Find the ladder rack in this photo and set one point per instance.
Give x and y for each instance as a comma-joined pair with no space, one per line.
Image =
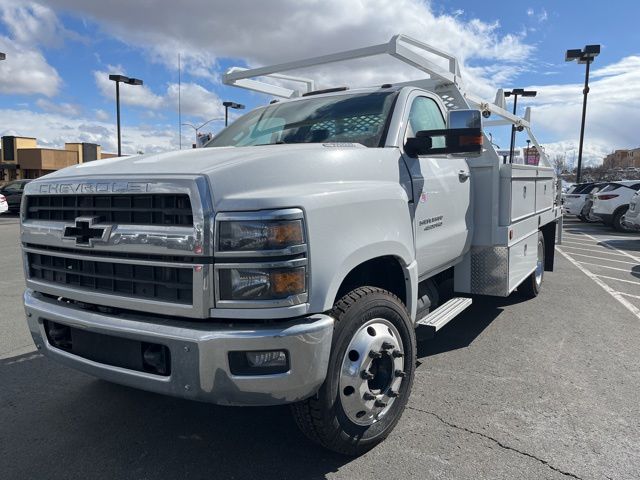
446,82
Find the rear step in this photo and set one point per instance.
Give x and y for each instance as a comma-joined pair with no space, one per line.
434,321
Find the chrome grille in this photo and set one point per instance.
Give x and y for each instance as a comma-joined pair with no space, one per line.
160,283
156,258
131,209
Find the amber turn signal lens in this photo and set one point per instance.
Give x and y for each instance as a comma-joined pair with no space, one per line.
284,234
291,281
467,140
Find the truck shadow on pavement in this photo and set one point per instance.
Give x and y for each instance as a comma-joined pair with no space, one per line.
465,328
59,423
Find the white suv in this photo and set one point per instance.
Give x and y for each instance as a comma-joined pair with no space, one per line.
611,203
4,206
576,201
631,219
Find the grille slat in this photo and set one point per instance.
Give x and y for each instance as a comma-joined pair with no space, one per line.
141,209
167,284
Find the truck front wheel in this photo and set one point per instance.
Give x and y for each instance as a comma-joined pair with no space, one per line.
369,377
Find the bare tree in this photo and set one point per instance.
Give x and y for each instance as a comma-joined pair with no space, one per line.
559,162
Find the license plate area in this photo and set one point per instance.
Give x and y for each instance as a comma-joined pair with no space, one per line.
110,350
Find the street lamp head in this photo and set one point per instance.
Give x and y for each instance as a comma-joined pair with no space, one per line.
521,92
2,56
583,56
592,51
237,106
119,78
573,54
124,79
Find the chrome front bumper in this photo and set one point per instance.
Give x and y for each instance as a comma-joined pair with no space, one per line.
199,353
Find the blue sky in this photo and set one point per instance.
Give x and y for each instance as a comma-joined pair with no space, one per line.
54,83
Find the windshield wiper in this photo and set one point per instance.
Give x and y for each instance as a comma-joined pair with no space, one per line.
280,142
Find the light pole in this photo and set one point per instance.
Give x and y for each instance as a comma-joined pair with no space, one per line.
200,126
522,93
526,160
129,81
586,56
227,105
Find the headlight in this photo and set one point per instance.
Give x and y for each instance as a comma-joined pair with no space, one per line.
261,259
261,283
259,235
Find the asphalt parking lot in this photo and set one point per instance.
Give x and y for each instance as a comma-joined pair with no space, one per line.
546,388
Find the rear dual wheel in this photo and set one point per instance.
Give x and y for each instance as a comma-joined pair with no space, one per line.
369,377
532,285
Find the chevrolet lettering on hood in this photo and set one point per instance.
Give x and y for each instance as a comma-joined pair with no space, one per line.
91,187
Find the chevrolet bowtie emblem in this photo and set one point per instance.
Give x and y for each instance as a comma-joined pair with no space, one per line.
86,233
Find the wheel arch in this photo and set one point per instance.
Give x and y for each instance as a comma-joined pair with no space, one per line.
387,268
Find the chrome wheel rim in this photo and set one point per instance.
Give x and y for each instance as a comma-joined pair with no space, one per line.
372,372
540,264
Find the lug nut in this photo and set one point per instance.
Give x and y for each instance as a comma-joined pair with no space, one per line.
368,396
397,354
374,354
367,375
392,394
379,403
400,373
387,346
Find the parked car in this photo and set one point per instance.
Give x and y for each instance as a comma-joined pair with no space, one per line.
612,202
631,219
578,200
4,206
12,191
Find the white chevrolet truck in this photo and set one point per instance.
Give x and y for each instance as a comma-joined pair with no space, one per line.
292,260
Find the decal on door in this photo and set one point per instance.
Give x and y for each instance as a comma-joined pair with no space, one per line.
431,223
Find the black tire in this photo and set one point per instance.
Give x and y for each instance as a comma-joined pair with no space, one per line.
322,417
617,220
531,286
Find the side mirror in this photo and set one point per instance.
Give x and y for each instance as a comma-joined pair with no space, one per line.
464,135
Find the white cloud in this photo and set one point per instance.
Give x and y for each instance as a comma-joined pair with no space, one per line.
26,71
613,110
66,109
53,130
136,95
196,101
268,32
31,23
101,115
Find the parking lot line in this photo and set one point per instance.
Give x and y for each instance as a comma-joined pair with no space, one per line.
617,279
605,259
629,295
580,243
604,266
600,251
628,305
604,242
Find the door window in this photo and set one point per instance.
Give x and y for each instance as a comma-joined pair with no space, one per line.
425,115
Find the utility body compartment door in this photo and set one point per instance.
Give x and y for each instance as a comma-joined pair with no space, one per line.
441,193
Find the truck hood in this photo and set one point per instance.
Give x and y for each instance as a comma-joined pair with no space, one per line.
198,161
262,176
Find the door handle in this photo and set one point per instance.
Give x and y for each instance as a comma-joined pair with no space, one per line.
463,175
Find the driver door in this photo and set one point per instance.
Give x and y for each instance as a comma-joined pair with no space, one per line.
441,193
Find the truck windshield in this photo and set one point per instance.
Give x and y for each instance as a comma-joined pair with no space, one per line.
356,118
